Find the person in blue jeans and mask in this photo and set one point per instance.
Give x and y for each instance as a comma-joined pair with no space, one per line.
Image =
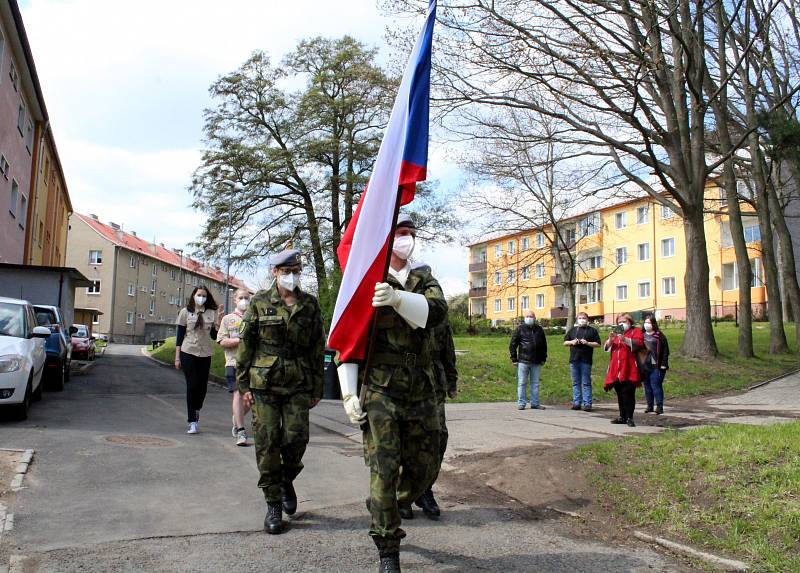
656,365
582,339
528,350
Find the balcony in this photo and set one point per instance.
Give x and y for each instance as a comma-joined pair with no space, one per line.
477,267
555,279
559,312
477,292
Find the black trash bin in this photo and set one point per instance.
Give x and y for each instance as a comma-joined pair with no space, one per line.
330,390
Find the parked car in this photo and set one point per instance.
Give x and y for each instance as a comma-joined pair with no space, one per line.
58,346
22,356
82,342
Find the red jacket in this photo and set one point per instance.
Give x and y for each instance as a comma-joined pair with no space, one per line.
622,364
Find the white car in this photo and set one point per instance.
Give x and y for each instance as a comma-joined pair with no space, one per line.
22,356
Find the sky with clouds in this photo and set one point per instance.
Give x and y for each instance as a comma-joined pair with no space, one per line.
125,84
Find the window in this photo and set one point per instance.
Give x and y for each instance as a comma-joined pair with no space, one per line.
21,118
152,309
526,244
172,299
540,270
668,247
622,292
188,279
12,73
644,289
666,212
497,278
511,275
668,285
94,289
729,279
194,281
95,257
540,240
622,255
155,270
140,315
539,301
132,262
569,237
642,214
172,274
621,220
590,293
758,276
593,262
4,167
525,302
129,318
752,233
23,210
497,304
643,251
143,288
131,289
95,318
29,136
510,303
526,272
512,247
153,287
12,208
498,250
590,225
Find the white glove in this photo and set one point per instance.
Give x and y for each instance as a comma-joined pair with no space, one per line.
348,383
385,295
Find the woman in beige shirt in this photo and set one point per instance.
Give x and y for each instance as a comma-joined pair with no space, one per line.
197,328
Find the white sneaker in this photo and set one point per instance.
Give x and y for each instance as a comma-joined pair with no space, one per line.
233,427
192,428
241,438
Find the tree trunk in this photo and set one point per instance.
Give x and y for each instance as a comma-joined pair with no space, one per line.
317,252
569,293
699,339
792,289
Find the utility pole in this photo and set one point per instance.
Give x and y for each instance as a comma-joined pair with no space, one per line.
180,284
232,188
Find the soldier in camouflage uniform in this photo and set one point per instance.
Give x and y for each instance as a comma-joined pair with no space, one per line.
280,372
402,424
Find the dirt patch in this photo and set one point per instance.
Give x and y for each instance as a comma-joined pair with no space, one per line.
8,465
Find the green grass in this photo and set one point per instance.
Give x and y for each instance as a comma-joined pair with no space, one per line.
166,353
731,489
487,375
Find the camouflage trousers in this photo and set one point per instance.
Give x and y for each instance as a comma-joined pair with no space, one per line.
443,436
280,433
401,447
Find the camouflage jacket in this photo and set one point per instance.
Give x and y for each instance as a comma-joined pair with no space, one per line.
402,360
281,348
444,358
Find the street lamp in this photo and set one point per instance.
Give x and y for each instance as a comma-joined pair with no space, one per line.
231,191
180,284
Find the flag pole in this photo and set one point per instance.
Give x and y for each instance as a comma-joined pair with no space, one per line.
362,395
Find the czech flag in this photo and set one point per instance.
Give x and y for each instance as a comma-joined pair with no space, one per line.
402,161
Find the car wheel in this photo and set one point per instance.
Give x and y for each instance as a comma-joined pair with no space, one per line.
20,411
56,383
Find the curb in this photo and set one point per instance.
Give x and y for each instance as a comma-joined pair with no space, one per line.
219,381
765,382
721,562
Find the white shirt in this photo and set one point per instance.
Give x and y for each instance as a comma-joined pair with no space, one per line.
402,274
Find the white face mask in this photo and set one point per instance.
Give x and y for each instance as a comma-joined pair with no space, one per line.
624,326
199,300
289,282
582,322
242,304
648,326
403,246
529,321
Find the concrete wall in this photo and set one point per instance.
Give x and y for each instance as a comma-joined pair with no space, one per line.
40,287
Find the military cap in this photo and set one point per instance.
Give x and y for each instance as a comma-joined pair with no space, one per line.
405,220
286,258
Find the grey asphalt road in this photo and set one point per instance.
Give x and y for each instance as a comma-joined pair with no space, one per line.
117,485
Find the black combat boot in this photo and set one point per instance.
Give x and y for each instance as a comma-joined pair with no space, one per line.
390,563
428,504
273,522
289,499
405,510
660,409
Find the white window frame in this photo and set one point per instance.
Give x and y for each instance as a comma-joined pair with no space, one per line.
667,241
498,251
616,291
526,244
525,302
639,251
540,300
95,257
526,272
511,304
14,198
129,317
540,240
666,212
498,278
643,209
620,220
154,286
664,283
752,238
624,251
95,284
131,289
594,289
540,270
512,247
152,308
639,286
95,318
511,276
498,305
154,272
132,261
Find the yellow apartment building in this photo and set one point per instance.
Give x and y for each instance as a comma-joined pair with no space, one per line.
629,257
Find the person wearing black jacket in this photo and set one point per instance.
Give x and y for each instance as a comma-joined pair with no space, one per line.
655,365
528,350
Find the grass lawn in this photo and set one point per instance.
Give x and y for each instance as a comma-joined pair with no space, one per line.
732,489
487,375
166,353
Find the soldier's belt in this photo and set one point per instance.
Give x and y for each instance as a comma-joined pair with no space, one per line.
401,359
285,353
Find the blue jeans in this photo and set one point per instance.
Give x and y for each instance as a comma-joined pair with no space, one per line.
581,383
654,387
528,373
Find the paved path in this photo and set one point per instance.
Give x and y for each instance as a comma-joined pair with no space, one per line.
116,485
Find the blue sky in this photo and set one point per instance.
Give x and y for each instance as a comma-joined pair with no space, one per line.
126,83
